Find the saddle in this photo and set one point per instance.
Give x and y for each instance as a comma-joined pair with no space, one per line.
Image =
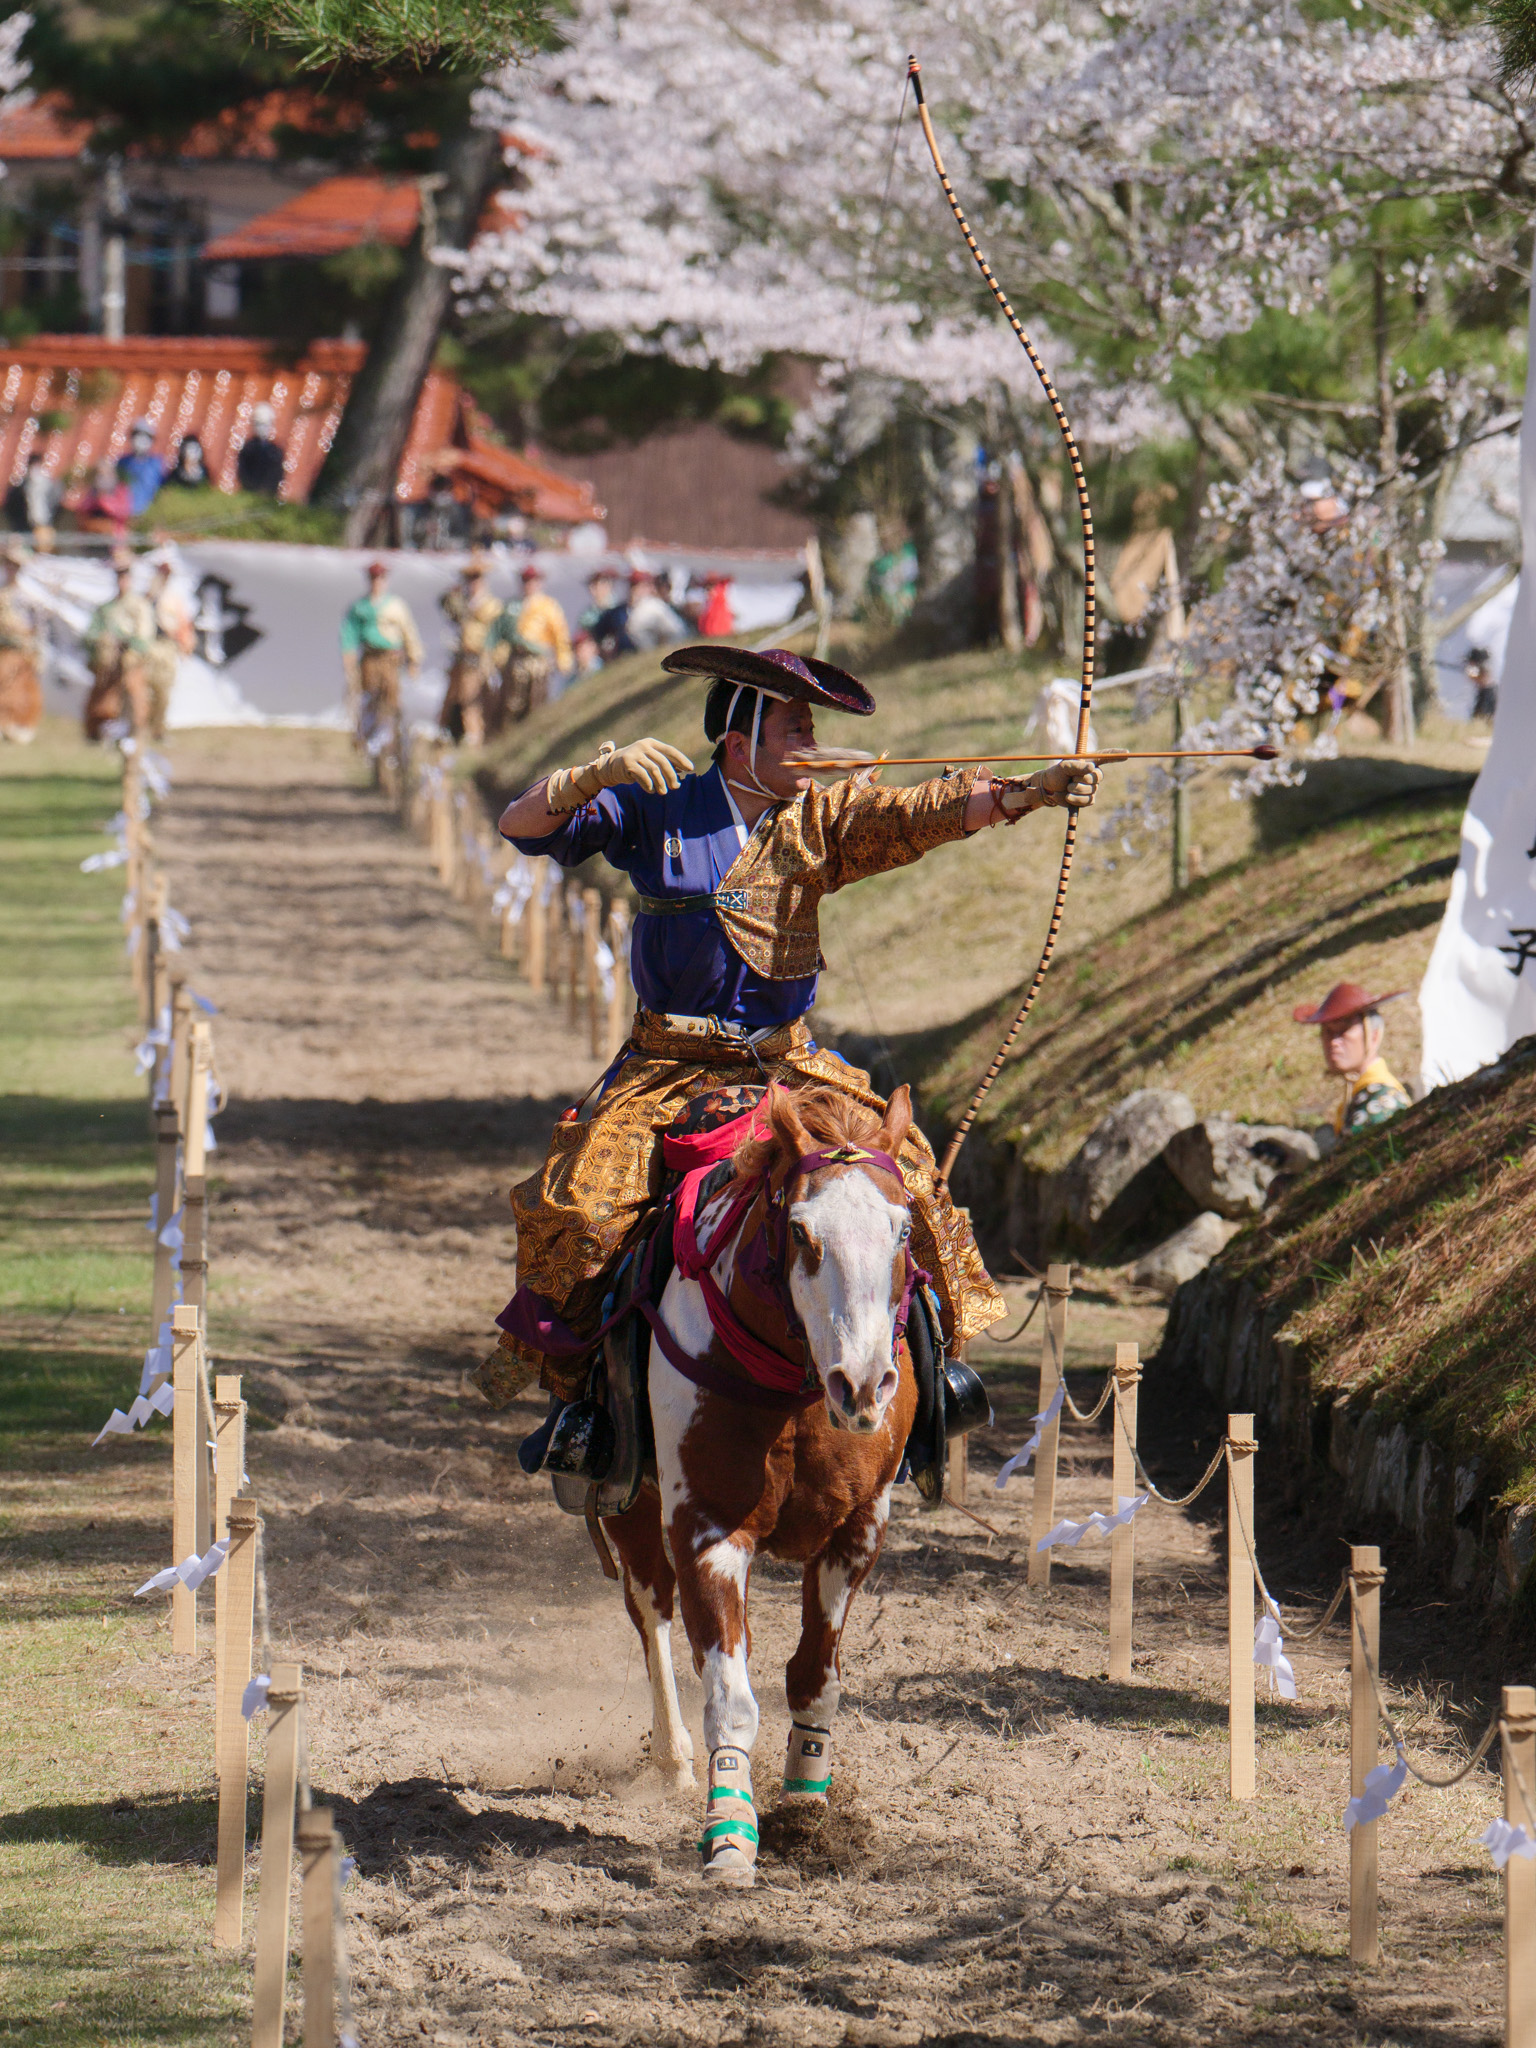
600,1449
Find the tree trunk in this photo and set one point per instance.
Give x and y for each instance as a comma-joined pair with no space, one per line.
360,471
1399,683
946,529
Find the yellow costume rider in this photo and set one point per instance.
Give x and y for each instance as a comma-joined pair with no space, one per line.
730,867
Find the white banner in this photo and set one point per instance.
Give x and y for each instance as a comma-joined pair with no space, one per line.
268,620
1479,991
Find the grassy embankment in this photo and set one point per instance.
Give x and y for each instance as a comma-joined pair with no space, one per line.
106,1894
1343,877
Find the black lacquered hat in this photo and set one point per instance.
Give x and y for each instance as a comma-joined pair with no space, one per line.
796,678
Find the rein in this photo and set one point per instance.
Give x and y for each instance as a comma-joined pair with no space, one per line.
774,1379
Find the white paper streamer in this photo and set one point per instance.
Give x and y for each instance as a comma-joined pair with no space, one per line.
1042,1421
604,961
348,1867
191,1572
114,857
174,930
1381,1787
157,1359
1269,1650
514,890
160,1402
156,772
130,905
1503,1839
172,1237
253,1700
209,1009
1067,1535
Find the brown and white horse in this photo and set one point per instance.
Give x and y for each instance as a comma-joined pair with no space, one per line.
807,1479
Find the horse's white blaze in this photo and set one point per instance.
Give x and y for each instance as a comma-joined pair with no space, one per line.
845,1304
730,1712
671,1744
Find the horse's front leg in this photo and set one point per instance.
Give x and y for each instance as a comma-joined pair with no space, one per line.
648,1588
813,1678
712,1572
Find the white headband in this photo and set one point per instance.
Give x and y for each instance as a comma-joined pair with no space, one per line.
758,691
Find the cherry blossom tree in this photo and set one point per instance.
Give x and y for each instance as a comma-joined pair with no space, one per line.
1241,228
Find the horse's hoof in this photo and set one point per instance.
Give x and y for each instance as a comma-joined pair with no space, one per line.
729,1842
808,1766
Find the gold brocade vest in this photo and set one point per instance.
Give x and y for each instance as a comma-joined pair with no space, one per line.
819,842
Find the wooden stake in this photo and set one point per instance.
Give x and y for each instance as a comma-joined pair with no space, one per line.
1519,1871
591,932
1053,1351
194,1163
186,1422
506,938
237,1588
167,1138
1122,1541
573,940
1364,1742
154,958
621,1005
228,1477
319,1856
181,1042
535,937
1243,1770
285,1701
203,1512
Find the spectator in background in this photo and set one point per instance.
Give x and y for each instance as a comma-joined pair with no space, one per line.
717,621
474,615
541,623
117,643
21,696
191,471
175,636
108,505
32,506
1485,691
141,468
259,465
1352,1034
376,634
650,621
443,522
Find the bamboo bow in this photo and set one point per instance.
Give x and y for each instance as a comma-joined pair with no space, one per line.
1090,612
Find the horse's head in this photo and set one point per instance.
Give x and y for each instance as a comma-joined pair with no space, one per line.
846,1257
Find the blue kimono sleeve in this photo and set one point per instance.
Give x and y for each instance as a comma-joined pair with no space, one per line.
607,824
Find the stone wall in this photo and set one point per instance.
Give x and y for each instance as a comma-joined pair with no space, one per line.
1221,1342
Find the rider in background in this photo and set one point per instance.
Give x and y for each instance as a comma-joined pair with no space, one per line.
730,866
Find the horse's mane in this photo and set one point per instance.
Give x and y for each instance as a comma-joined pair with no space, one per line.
830,1117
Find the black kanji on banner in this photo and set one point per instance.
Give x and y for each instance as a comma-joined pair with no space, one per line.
1523,949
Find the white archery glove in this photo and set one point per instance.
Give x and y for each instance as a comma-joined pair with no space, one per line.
1065,784
652,764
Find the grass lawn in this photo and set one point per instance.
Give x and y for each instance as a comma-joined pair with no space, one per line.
106,1814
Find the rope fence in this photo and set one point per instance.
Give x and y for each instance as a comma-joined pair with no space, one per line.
215,1523
1256,1643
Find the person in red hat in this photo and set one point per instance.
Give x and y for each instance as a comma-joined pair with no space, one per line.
730,867
1349,1020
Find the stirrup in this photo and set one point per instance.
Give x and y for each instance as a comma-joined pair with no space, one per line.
808,1766
729,1841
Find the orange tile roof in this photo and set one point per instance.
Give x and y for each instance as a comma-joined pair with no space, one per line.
46,130
207,385
338,213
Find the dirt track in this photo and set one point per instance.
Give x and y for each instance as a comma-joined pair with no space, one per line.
1018,1850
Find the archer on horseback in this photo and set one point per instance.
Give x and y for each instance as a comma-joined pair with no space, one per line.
730,866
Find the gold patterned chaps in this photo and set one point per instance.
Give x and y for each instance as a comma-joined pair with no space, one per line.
601,1172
